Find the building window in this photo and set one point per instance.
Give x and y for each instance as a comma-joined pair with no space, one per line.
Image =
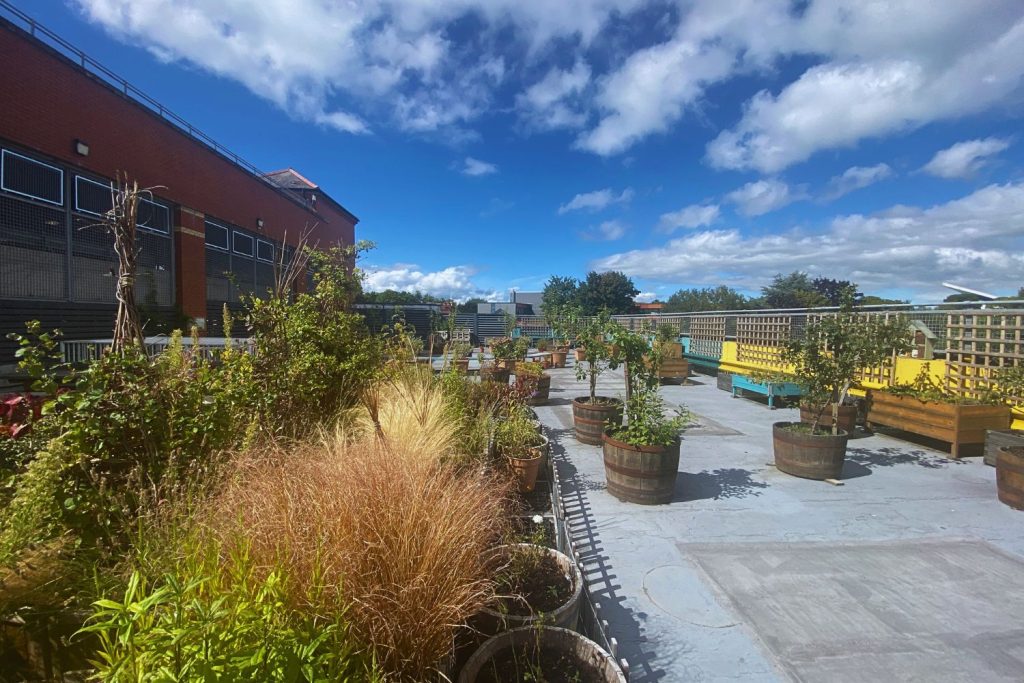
265,251
153,216
242,244
91,197
33,250
30,178
216,236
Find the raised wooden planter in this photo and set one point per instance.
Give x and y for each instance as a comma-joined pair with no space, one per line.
997,438
490,373
956,424
640,474
771,390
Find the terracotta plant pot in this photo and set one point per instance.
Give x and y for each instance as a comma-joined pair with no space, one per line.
526,469
581,355
1010,476
811,456
847,416
558,358
640,474
591,419
593,664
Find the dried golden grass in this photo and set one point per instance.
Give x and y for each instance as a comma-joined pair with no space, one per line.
400,536
411,413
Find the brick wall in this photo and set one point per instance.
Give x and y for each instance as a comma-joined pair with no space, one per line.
49,103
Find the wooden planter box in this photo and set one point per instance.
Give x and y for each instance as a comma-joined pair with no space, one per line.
677,369
956,424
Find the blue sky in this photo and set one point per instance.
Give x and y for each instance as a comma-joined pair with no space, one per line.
488,145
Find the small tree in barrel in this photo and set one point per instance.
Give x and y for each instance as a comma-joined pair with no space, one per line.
592,339
835,347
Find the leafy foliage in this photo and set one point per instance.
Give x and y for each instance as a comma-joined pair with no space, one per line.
592,340
721,298
559,292
611,291
834,348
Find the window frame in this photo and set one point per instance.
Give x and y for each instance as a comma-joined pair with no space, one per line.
3,177
272,250
77,208
235,234
227,236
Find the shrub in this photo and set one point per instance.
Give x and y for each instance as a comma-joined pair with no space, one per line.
401,539
202,623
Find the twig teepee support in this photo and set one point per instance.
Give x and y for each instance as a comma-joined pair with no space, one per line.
121,222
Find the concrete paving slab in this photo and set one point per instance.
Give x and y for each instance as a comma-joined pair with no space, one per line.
674,623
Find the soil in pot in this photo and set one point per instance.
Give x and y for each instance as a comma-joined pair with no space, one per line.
532,583
544,665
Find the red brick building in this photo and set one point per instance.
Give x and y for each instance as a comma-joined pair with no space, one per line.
211,233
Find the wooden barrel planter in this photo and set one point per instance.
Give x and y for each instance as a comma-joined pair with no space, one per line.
558,358
674,370
501,654
847,416
1010,476
591,419
811,456
640,474
997,438
565,616
957,424
490,373
462,365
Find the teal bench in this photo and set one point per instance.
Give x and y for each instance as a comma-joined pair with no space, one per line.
769,389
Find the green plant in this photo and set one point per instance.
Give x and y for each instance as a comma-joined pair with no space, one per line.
504,348
592,339
202,623
515,435
647,423
522,347
835,347
667,332
543,345
461,350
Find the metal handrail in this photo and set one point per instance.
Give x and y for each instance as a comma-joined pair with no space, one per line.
39,32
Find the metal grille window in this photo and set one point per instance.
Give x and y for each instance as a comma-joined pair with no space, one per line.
30,178
91,197
218,265
93,262
264,278
33,251
154,284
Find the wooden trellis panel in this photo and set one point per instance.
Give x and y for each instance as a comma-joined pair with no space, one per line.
979,344
707,332
760,339
882,375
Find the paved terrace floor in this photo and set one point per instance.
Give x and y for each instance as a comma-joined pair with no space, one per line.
912,570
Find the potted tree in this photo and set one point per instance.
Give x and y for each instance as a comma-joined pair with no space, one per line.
517,440
592,413
641,457
506,351
825,361
672,367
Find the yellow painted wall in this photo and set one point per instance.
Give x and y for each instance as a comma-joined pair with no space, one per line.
906,370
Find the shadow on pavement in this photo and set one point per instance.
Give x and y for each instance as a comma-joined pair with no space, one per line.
717,485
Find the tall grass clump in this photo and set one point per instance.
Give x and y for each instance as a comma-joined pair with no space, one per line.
402,538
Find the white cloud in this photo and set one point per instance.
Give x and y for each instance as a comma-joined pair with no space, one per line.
364,64
596,200
555,101
964,159
872,84
645,297
454,281
475,167
607,231
693,216
855,178
761,196
976,238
